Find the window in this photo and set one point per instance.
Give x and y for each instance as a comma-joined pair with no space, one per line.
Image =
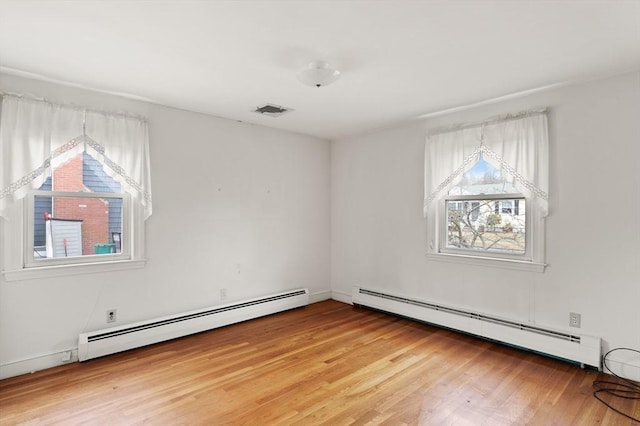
486,192
480,216
76,213
81,189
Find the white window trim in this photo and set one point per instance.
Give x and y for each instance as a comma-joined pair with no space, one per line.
68,270
532,261
31,262
15,262
519,265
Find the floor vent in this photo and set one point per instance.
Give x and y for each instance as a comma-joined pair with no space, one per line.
578,348
117,339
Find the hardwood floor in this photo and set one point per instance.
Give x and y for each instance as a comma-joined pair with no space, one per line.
328,363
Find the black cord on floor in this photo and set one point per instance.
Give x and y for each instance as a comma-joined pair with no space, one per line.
628,389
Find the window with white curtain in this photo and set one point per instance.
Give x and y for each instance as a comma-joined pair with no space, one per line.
486,192
75,189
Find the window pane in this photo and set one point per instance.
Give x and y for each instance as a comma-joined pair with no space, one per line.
81,173
487,225
76,226
481,179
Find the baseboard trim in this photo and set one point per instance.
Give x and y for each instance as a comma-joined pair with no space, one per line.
42,362
628,369
342,297
319,296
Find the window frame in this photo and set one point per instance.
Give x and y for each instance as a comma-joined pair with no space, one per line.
16,238
30,261
436,227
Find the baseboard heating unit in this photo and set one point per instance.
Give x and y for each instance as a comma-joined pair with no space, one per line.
582,349
117,339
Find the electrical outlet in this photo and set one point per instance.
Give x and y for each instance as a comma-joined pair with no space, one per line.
111,315
574,319
223,294
66,356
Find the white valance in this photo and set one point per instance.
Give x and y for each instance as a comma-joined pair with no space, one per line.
516,145
36,135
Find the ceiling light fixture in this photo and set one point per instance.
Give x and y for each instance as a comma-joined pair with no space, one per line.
318,74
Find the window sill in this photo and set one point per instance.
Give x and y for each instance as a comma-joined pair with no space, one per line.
77,269
490,262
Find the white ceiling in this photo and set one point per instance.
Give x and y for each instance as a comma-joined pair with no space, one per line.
400,59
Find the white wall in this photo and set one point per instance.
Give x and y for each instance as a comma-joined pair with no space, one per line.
236,206
593,230
359,199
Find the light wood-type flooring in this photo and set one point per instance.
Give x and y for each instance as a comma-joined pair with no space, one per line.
327,363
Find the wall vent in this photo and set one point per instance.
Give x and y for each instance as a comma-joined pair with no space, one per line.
272,110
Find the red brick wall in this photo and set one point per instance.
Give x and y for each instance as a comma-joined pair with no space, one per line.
94,212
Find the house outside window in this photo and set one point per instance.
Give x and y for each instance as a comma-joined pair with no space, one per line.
486,192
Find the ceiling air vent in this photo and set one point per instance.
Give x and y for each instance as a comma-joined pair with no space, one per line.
272,110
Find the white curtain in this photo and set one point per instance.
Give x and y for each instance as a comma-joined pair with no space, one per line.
516,145
36,135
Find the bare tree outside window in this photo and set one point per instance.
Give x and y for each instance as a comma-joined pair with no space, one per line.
479,228
482,214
